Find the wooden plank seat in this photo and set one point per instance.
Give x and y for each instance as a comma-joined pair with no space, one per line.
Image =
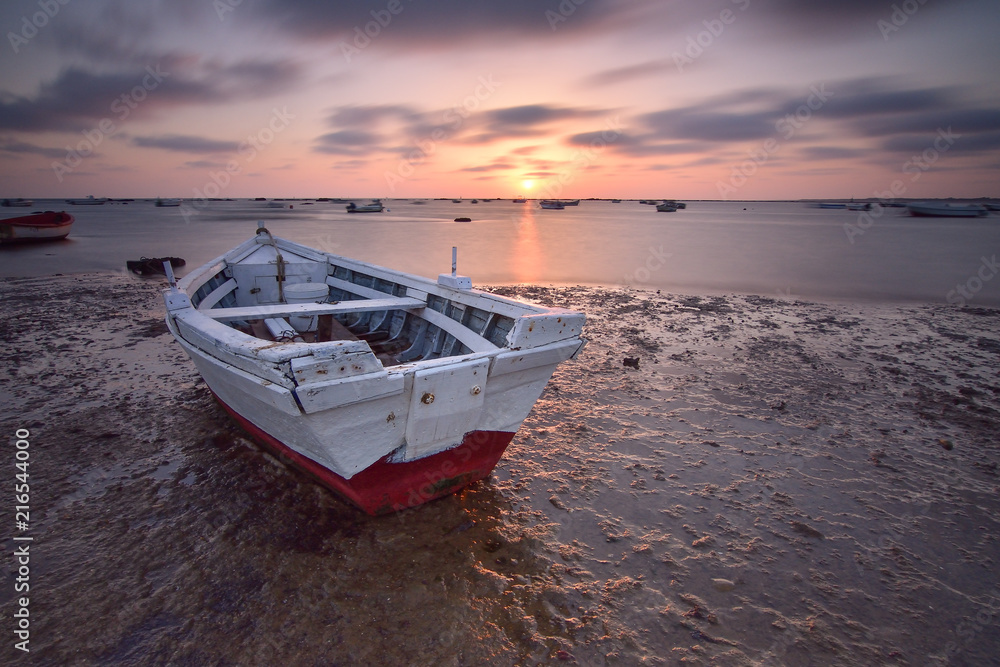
309,309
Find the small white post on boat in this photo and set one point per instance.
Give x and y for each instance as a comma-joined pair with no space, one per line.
169,270
174,298
454,280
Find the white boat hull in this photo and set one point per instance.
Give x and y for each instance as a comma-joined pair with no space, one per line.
335,409
932,210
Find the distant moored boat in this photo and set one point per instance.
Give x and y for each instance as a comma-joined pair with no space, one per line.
89,200
942,210
374,206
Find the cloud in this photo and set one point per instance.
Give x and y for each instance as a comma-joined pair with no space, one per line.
348,142
21,147
204,164
427,23
490,167
364,115
630,72
527,120
703,124
186,144
77,99
831,152
917,144
964,121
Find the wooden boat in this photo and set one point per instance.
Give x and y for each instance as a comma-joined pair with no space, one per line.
389,388
944,210
47,226
89,200
152,266
375,206
666,207
22,203
551,204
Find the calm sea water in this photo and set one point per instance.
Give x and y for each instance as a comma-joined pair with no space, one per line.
778,249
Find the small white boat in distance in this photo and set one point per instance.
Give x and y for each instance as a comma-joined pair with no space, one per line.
389,388
89,200
374,206
945,210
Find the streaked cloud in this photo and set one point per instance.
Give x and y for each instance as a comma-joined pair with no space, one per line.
186,144
77,98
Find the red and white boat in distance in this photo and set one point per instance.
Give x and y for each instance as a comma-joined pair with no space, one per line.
47,226
389,388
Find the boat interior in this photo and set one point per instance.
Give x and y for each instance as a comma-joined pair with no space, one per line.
345,300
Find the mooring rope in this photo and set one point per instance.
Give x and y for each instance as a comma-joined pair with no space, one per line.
280,262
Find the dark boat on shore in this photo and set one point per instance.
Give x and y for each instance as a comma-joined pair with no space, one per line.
152,266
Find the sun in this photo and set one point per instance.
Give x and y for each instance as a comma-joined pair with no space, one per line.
527,184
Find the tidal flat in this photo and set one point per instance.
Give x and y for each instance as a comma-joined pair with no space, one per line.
767,482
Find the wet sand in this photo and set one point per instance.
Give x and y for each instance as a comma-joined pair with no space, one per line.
777,483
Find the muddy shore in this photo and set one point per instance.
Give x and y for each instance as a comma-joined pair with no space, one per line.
768,482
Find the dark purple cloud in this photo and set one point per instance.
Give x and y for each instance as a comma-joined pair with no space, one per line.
22,147
701,124
427,23
652,68
348,142
186,144
78,99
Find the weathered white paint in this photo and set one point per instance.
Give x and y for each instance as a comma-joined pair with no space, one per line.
310,309
333,401
445,403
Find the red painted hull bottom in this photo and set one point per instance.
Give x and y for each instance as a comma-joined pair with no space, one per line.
387,487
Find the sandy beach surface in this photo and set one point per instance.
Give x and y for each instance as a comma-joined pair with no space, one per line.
769,482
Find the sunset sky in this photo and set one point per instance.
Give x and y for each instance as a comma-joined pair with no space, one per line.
722,99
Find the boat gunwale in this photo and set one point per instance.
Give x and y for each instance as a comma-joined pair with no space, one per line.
233,341
497,304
